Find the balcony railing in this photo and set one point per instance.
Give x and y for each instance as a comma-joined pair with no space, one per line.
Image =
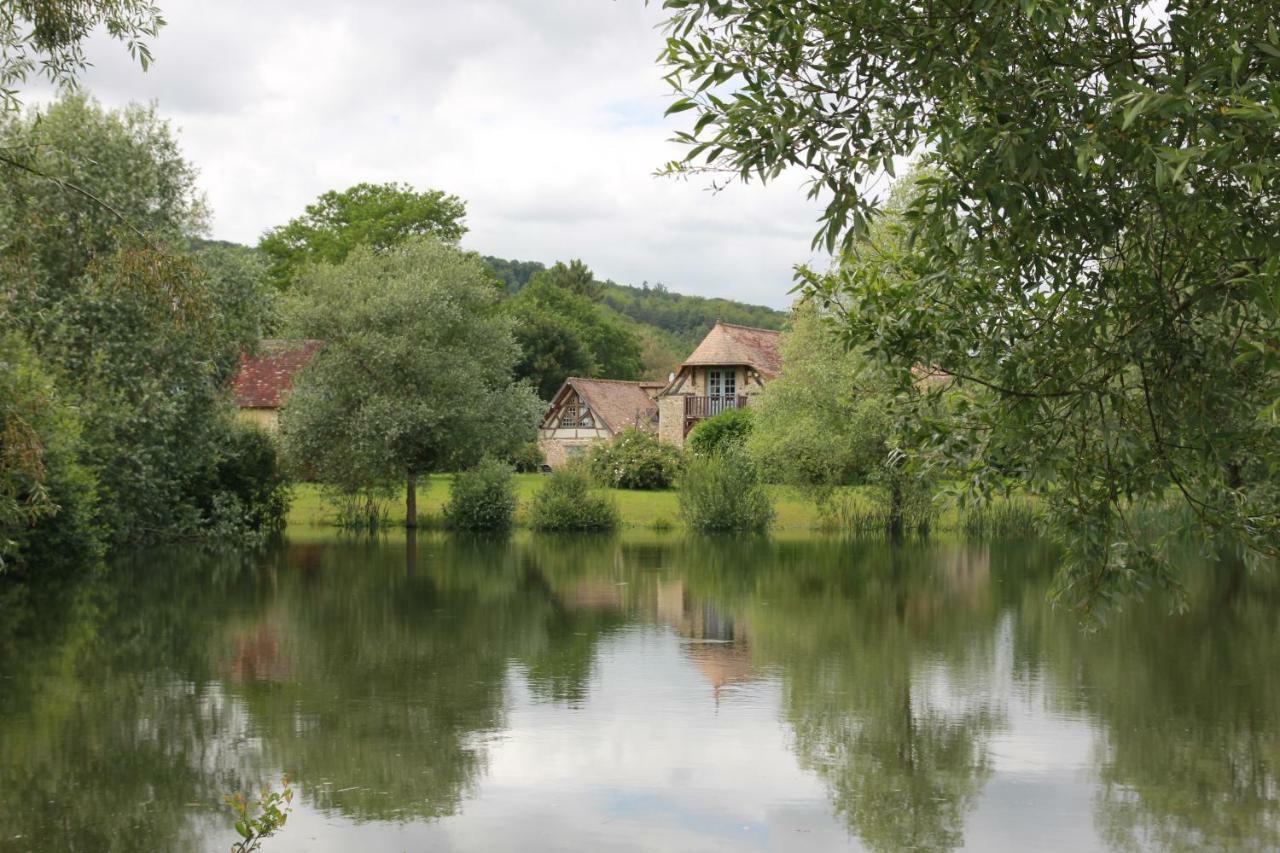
696,408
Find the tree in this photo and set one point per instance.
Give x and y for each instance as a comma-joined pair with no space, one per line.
376,215
616,350
551,348
47,37
416,371
135,334
575,277
1093,259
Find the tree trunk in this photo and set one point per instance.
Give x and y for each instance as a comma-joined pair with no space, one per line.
896,509
411,501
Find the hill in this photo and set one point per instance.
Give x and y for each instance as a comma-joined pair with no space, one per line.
680,321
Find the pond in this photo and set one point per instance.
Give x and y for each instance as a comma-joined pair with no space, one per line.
643,693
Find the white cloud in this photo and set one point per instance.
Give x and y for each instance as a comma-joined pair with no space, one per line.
544,115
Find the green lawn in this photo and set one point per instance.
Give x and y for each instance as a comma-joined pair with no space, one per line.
655,510
639,509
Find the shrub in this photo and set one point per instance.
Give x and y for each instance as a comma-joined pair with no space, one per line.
248,490
730,427
567,502
528,458
723,492
483,498
635,460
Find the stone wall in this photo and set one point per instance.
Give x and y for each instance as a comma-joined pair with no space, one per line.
671,419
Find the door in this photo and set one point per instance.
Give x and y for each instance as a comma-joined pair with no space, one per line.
722,388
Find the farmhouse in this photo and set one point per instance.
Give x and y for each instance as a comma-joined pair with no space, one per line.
585,411
732,364
265,379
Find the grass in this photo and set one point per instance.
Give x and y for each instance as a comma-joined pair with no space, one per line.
659,510
656,510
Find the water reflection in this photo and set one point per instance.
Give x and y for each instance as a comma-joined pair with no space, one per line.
640,693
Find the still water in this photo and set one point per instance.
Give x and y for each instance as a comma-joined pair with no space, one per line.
641,694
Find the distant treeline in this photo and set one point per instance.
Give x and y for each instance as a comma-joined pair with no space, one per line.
685,318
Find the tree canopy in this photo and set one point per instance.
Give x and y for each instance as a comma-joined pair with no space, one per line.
1093,257
377,215
415,375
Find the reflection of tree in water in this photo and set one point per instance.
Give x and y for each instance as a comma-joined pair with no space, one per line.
1189,710
109,732
399,677
861,636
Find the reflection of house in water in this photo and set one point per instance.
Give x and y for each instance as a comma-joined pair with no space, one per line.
592,595
715,642
257,657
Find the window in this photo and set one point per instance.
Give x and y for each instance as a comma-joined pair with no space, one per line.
574,415
722,383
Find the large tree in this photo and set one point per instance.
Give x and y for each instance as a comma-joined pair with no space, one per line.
136,335
377,215
1094,259
415,375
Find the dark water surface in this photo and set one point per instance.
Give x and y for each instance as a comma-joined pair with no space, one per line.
636,694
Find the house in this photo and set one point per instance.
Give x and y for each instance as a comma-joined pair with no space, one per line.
265,379
585,411
732,364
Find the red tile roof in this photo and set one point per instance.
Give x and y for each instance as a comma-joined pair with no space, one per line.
264,379
730,344
619,405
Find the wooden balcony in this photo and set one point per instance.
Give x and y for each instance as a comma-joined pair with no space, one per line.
698,408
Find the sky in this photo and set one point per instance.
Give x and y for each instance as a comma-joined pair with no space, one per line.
545,116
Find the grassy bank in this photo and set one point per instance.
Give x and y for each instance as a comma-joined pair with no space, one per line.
657,509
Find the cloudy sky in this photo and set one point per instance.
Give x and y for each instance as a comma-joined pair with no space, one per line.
544,115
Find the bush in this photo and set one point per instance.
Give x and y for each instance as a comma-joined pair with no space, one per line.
567,502
248,490
635,460
723,493
730,427
483,498
528,458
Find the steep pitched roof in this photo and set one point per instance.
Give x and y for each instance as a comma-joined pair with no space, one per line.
615,402
730,344
264,379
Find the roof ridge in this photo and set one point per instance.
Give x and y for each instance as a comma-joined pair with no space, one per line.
615,381
749,328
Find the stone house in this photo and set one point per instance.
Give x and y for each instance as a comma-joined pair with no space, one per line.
265,379
585,411
731,365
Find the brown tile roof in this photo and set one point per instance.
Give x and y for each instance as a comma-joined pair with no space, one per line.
264,379
617,403
730,344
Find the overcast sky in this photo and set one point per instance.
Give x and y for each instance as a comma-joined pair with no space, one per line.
544,115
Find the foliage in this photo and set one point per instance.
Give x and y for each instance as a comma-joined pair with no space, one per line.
614,346
137,335
672,321
375,215
261,819
415,373
686,319
568,502
723,493
732,427
635,459
47,497
482,498
825,421
575,277
551,346
46,37
513,274
248,488
358,510
1092,255
528,458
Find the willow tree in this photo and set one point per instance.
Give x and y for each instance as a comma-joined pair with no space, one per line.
415,374
1095,257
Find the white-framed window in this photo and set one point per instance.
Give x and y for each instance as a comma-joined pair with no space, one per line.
722,383
569,416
